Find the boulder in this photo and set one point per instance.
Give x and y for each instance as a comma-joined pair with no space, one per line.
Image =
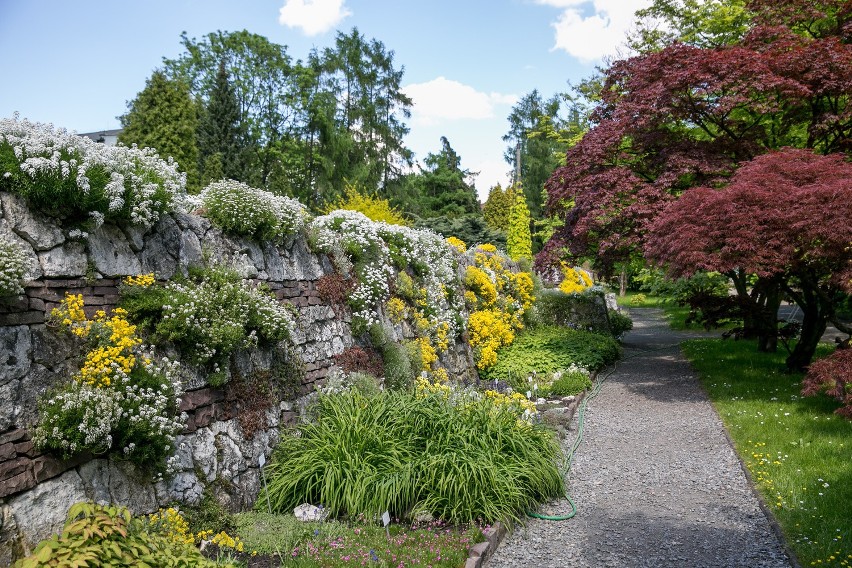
66,261
42,232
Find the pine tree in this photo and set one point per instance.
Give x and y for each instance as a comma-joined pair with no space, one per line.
163,116
221,142
519,240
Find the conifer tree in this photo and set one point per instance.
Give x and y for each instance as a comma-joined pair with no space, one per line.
519,240
498,206
221,142
163,116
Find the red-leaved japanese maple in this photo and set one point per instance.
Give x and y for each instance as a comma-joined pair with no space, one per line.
685,117
832,376
785,217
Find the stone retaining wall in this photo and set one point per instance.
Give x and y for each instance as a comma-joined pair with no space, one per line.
213,452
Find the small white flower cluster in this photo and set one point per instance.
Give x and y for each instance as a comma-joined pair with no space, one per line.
13,264
220,315
140,184
238,208
375,247
82,417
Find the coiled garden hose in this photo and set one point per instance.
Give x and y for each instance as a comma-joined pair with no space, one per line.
581,421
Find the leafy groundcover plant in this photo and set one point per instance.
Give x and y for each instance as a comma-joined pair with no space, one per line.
460,458
209,315
548,349
247,211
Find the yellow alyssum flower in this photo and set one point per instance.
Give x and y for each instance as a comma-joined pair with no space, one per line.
457,244
396,309
142,280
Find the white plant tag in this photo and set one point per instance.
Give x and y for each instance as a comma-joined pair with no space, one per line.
385,518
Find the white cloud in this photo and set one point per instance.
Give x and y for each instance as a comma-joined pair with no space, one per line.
445,99
312,16
592,29
491,172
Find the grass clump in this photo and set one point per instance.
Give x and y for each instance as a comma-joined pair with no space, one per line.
797,450
549,349
460,458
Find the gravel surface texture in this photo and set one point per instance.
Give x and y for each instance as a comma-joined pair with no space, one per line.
655,480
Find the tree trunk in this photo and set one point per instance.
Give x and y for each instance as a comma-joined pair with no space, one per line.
622,282
813,326
767,328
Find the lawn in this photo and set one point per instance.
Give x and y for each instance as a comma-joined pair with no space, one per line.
799,453
675,315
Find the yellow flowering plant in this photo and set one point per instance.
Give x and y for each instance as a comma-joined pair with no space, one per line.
120,400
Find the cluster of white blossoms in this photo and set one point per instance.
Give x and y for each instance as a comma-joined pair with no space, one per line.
239,208
220,315
117,181
377,250
13,265
83,417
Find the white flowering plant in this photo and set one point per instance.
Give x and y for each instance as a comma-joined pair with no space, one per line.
135,417
379,254
13,265
209,315
70,176
247,211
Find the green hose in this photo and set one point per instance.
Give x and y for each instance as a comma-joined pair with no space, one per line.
581,421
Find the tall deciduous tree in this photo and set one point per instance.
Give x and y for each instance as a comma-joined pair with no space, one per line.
700,23
163,116
785,217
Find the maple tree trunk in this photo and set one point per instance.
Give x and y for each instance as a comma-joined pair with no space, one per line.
814,322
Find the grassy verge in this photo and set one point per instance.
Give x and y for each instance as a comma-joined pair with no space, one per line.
798,452
288,542
676,315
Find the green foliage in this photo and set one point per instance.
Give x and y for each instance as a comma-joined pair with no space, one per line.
472,229
570,382
519,241
209,315
401,362
221,133
702,23
403,452
163,116
497,207
373,207
795,447
548,349
208,515
98,535
239,209
13,264
619,323
310,545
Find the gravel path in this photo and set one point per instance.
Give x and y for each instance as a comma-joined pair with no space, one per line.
655,481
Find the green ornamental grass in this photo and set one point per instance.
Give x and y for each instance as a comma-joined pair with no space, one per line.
405,453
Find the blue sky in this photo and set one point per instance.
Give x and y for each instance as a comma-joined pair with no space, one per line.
76,63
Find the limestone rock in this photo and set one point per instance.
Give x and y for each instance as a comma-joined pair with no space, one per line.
9,393
110,481
274,263
111,253
68,261
41,511
162,249
15,351
42,232
11,546
190,250
204,453
184,487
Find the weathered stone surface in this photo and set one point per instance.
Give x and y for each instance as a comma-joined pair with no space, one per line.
204,454
33,386
135,236
40,231
108,481
68,260
162,249
15,349
273,262
11,546
41,511
190,250
8,400
301,264
110,252
184,487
